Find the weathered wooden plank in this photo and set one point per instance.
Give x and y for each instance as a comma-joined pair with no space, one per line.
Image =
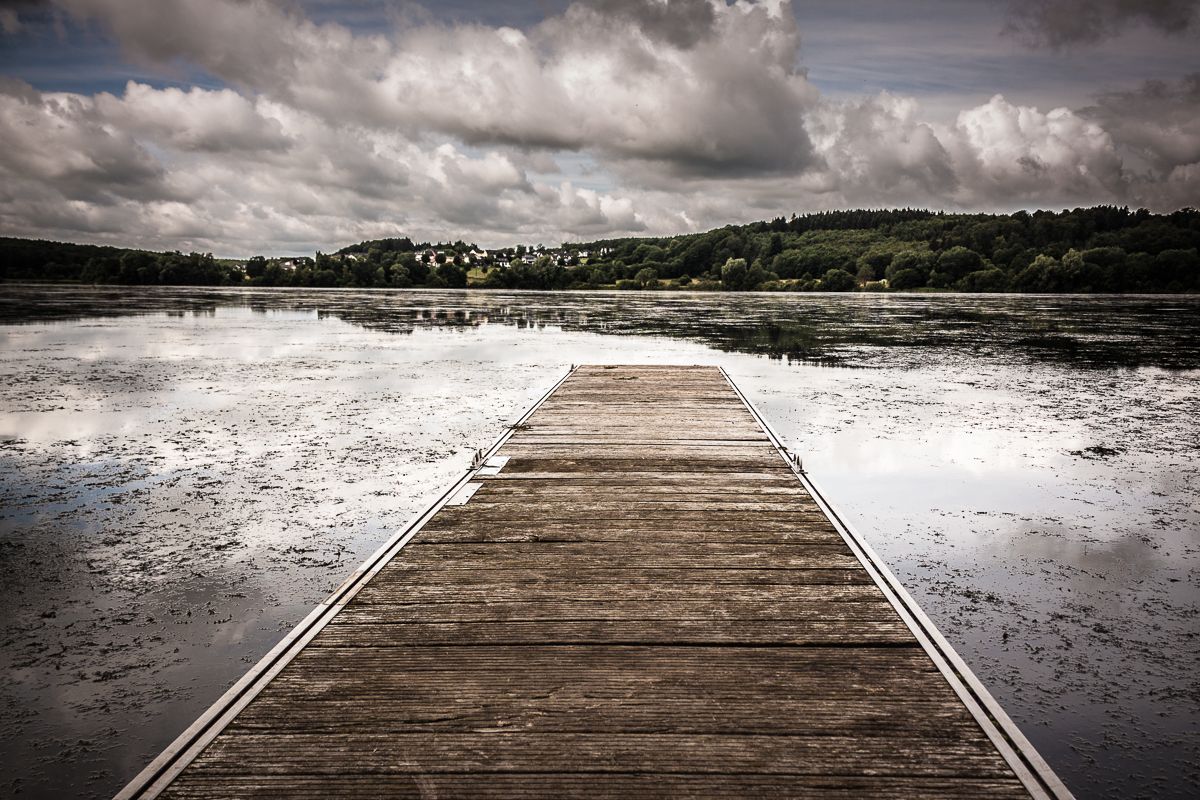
698,433
710,491
617,405
812,532
550,448
783,669
460,517
576,463
692,388
694,385
791,526
659,457
501,678
667,426
240,753
703,610
650,435
689,422
395,588
493,505
610,487
447,708
577,512
692,554
822,580
609,786
646,498
611,557
710,426
660,633
618,397
702,481
597,405
609,477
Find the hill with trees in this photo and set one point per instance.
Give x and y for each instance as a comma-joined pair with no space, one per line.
1101,249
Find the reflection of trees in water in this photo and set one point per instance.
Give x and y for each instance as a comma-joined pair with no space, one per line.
792,340
1100,332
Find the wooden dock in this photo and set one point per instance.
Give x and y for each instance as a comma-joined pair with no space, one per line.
635,593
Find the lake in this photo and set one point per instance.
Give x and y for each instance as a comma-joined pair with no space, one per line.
185,473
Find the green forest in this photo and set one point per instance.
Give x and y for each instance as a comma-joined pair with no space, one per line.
1102,249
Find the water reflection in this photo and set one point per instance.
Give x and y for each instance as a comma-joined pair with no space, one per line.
182,474
848,330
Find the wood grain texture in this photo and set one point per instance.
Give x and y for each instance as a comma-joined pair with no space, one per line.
643,603
416,785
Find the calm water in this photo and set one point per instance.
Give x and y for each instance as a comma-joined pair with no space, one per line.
185,473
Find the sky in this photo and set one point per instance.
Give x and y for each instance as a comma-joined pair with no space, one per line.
279,127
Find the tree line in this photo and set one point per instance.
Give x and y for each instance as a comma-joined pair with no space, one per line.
1100,249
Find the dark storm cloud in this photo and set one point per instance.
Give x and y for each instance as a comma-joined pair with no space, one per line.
247,44
682,23
1160,121
1060,24
11,10
23,5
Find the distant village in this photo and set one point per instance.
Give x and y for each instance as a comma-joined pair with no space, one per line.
476,257
399,263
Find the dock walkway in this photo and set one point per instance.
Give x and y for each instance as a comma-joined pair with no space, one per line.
636,596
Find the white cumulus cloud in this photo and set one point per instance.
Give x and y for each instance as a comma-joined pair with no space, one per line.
1006,153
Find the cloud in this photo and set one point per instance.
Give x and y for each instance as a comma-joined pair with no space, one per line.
687,116
998,156
1062,24
681,23
10,11
1177,189
254,44
194,121
61,144
732,106
1159,121
628,80
875,151
1008,154
214,170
